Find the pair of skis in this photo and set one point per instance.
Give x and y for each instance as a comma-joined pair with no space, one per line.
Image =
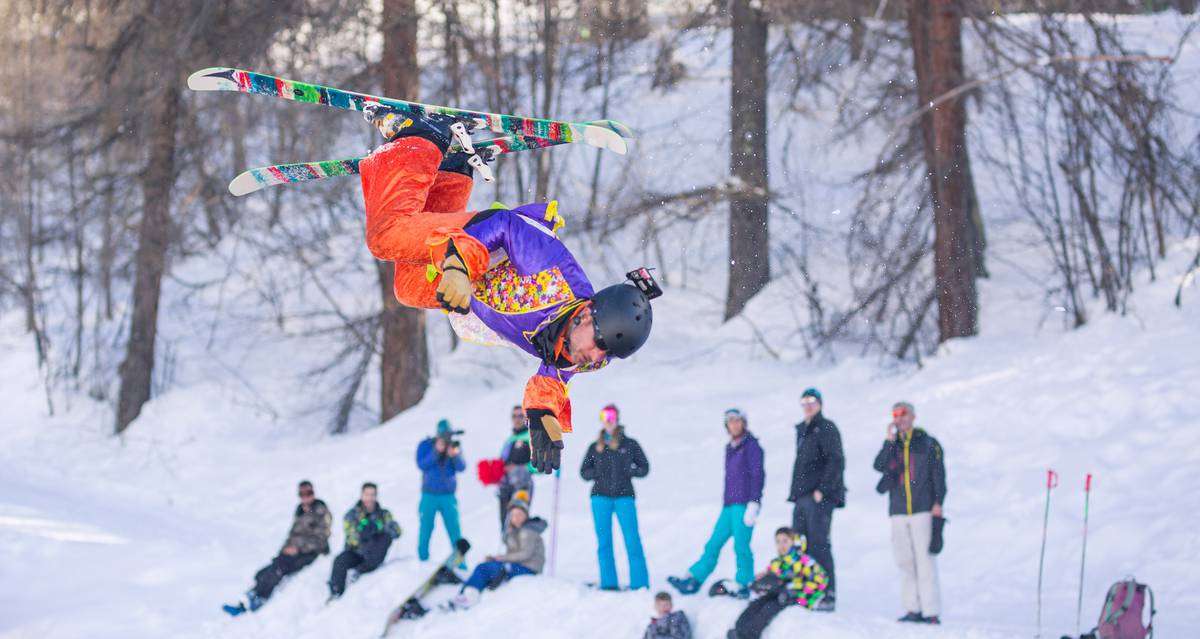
515,133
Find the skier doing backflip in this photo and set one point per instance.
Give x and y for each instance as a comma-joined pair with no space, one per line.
502,273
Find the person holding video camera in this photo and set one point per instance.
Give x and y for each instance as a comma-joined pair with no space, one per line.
440,459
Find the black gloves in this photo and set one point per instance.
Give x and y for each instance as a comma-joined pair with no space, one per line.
545,440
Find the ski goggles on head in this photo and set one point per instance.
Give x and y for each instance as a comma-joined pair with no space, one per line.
306,492
734,413
608,415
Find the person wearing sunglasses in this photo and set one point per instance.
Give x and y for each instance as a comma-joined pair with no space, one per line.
914,477
744,478
308,538
818,486
611,464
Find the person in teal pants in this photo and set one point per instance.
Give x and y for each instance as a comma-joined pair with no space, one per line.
744,478
612,463
439,459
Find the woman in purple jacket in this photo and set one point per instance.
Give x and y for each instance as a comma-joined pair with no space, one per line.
744,478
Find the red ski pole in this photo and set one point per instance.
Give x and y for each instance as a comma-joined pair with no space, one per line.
1087,497
1051,483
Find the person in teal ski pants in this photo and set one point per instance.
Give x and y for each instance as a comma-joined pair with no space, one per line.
744,478
439,459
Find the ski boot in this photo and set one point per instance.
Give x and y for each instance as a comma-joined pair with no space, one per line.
728,588
254,600
466,163
252,603
826,604
234,610
441,129
685,585
911,617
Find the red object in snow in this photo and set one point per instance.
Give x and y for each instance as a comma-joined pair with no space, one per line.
490,471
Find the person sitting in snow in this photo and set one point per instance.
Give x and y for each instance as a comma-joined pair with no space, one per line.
370,530
525,554
308,537
517,482
503,274
667,624
439,459
744,477
792,578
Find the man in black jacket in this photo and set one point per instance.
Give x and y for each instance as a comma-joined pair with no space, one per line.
817,485
308,537
914,476
612,463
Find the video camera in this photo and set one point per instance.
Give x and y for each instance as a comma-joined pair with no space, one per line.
448,437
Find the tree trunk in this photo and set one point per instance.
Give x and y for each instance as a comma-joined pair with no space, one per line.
404,355
749,255
150,259
936,30
549,51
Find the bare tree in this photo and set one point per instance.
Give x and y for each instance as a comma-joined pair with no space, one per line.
749,254
935,27
404,355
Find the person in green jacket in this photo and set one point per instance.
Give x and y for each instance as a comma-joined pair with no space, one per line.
370,530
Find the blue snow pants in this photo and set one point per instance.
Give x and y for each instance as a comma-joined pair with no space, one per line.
488,571
729,524
431,505
603,509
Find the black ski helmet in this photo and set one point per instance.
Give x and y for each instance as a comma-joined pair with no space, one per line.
621,314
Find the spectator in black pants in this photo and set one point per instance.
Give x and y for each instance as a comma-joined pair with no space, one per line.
308,538
817,485
370,530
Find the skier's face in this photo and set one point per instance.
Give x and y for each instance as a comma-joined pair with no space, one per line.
582,340
662,607
736,426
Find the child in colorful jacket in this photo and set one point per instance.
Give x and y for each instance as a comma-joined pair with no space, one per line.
504,271
792,578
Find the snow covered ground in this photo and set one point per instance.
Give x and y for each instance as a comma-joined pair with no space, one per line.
145,536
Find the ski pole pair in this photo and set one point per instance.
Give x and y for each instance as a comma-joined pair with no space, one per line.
1051,484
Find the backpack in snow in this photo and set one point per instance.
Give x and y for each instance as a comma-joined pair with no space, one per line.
1121,617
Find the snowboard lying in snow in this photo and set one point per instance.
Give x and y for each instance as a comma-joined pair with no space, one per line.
410,607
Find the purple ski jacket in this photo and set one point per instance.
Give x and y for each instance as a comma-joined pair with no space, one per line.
744,474
532,281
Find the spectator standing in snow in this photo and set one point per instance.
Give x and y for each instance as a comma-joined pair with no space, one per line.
744,477
667,624
439,459
308,537
817,484
792,578
612,463
370,530
517,481
914,477
525,554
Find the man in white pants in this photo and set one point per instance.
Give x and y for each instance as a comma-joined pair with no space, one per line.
914,477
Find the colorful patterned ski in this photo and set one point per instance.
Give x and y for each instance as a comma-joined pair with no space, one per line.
609,136
262,177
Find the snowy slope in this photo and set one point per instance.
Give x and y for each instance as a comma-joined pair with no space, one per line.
145,536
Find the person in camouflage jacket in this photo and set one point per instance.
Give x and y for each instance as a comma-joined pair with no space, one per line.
308,537
370,530
792,578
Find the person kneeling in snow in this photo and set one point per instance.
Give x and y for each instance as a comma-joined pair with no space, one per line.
792,578
370,530
504,274
668,624
526,555
308,538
